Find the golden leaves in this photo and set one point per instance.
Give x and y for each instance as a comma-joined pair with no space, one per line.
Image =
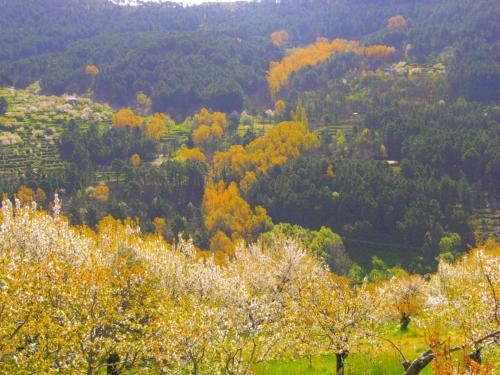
397,22
92,70
279,108
280,38
126,118
210,130
284,141
135,160
156,127
228,213
186,153
279,72
100,192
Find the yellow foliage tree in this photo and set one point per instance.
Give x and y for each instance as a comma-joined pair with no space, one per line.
144,102
215,118
186,153
397,22
160,225
222,243
210,129
329,171
125,117
92,70
101,193
226,211
282,142
156,126
202,136
135,160
279,72
379,53
280,38
26,195
279,108
40,195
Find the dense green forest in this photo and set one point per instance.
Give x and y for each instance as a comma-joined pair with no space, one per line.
216,55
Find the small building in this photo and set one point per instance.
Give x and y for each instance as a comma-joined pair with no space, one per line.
71,100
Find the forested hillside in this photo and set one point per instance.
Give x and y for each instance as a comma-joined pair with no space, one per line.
216,55
292,187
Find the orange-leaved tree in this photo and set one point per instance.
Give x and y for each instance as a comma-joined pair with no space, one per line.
397,22
210,129
126,118
279,72
186,153
286,140
228,213
280,38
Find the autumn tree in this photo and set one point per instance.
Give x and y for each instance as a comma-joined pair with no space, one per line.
144,103
26,195
378,53
186,153
279,38
228,213
330,171
211,127
135,160
397,22
279,108
156,126
282,142
92,71
279,72
40,195
126,118
160,224
100,192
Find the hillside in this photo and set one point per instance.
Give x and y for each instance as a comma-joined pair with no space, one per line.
292,187
216,55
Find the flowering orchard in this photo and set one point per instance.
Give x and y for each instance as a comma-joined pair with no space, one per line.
77,301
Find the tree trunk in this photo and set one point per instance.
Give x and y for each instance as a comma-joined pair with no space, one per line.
112,364
476,356
341,357
419,364
404,322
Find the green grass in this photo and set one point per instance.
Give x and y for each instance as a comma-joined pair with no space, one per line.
380,360
373,360
383,364
369,360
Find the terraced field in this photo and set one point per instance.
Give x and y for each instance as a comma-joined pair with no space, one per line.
30,130
487,221
176,136
333,129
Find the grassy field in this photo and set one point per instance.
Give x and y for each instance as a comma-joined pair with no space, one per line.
383,364
379,360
